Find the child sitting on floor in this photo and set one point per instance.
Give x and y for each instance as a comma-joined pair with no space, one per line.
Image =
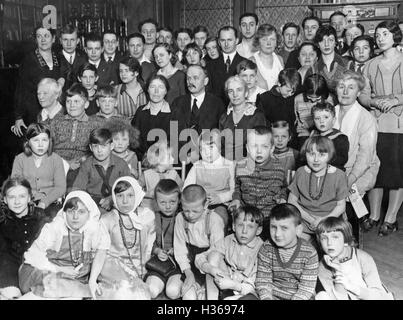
232,261
214,173
318,190
99,171
196,229
64,261
345,272
260,179
287,265
281,137
159,163
167,197
125,139
324,117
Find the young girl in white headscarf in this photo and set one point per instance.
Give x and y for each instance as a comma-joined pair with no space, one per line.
132,232
65,260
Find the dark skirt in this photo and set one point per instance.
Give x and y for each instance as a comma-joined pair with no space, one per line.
8,270
389,149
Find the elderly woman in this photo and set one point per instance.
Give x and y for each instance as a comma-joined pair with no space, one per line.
166,59
269,64
38,64
308,54
361,129
385,74
240,115
212,49
48,94
156,114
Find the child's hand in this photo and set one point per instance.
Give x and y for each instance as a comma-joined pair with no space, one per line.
234,204
189,282
213,199
162,255
94,288
41,205
68,270
224,282
170,251
106,203
342,279
74,164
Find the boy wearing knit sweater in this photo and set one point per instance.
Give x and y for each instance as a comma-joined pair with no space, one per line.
287,266
260,179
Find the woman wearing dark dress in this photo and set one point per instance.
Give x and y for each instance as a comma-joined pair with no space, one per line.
39,64
240,115
20,224
166,59
156,114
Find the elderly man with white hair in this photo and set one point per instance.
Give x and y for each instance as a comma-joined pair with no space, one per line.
48,94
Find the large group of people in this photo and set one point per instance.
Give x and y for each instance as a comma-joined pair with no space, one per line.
201,167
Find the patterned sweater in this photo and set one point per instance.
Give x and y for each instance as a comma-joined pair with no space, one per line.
291,280
260,185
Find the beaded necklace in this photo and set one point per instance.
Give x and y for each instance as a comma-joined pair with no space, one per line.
75,261
317,197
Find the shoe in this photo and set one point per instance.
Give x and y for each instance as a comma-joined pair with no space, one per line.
368,224
387,228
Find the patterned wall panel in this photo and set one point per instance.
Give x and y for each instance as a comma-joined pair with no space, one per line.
278,12
210,13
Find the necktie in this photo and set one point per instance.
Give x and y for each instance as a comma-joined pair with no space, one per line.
195,114
71,59
110,60
228,63
360,67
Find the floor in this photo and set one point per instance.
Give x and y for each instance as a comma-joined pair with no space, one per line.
388,255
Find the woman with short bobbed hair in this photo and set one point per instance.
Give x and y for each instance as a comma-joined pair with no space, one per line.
362,131
385,99
269,63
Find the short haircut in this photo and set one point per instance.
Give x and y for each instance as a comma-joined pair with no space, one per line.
394,28
193,193
156,153
149,20
325,30
169,49
86,66
350,74
336,13
100,136
332,224
183,30
290,25
281,124
211,39
246,65
249,14
51,82
106,91
166,29
290,77
199,67
121,186
167,187
323,106
158,77
136,35
311,18
260,131
201,29
117,125
109,31
132,63
77,89
192,46
51,31
236,79
367,38
315,84
227,28
323,145
264,30
72,204
313,45
357,25
93,37
250,212
69,29
33,130
284,211
12,182
210,137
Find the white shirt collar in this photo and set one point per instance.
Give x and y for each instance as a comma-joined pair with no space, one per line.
106,57
95,64
68,55
144,59
200,99
231,56
249,111
164,108
46,114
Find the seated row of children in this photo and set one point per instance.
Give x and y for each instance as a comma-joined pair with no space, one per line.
83,254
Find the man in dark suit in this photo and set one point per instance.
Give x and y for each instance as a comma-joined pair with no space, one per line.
136,42
219,70
70,58
111,55
94,49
